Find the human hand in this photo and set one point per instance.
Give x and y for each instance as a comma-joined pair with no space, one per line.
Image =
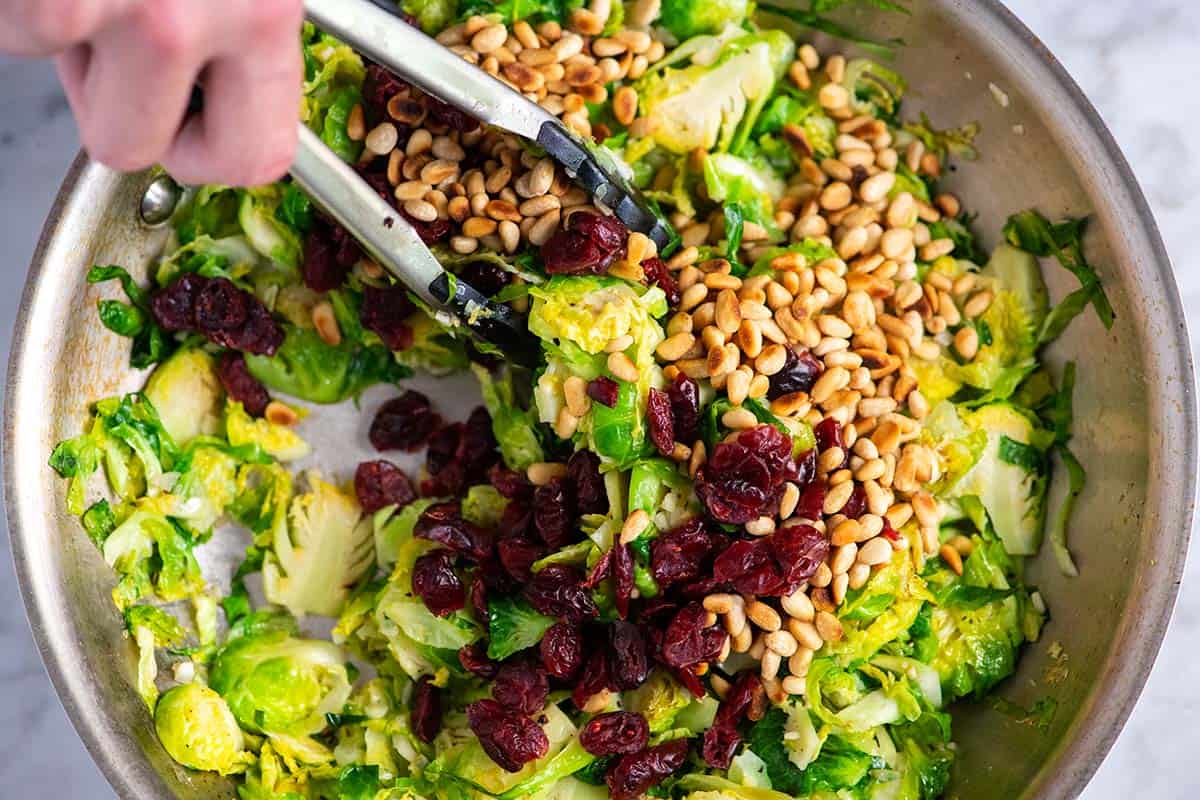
129,66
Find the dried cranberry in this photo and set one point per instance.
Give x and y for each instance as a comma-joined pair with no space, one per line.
682,554
474,659
509,739
562,651
891,533
484,277
743,479
426,715
595,678
586,483
379,484
487,576
430,232
517,554
600,570
690,680
799,550
829,435
689,640
325,256
604,390
634,774
460,454
622,574
629,661
746,698
260,335
443,447
658,275
553,513
806,467
812,501
799,373
436,583
615,733
661,421
719,744
385,312
517,521
174,307
379,87
685,407
240,385
521,686
856,504
404,423
449,116
587,245
749,567
221,306
556,592
443,523
509,483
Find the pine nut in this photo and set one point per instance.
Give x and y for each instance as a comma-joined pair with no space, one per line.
634,525
565,424
781,642
771,662
806,634
541,231
326,323
510,235
763,615
837,497
875,552
278,413
421,210
739,419
620,366
763,526
575,391
541,473
952,558
718,603
978,304
787,504
829,627
798,606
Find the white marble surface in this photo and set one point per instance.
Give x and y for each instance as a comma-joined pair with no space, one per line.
1138,61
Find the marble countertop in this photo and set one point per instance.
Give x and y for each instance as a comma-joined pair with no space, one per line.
1136,59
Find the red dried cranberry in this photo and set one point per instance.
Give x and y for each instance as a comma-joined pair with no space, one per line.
806,467
587,245
622,574
449,116
443,523
379,484
719,744
800,550
799,373
326,254
484,277
829,435
744,478
474,659
661,421
404,423
746,698
240,385
690,680
379,87
604,390
479,587
891,533
385,312
436,583
658,275
426,712
856,505
629,661
600,570
443,447
749,567
615,733
430,232
260,335
521,686
562,651
553,513
509,483
634,774
556,592
586,483
689,640
517,520
221,306
174,307
685,407
460,455
509,739
595,678
812,501
517,554
682,554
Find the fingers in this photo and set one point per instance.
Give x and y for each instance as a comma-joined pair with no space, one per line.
247,134
130,92
45,27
